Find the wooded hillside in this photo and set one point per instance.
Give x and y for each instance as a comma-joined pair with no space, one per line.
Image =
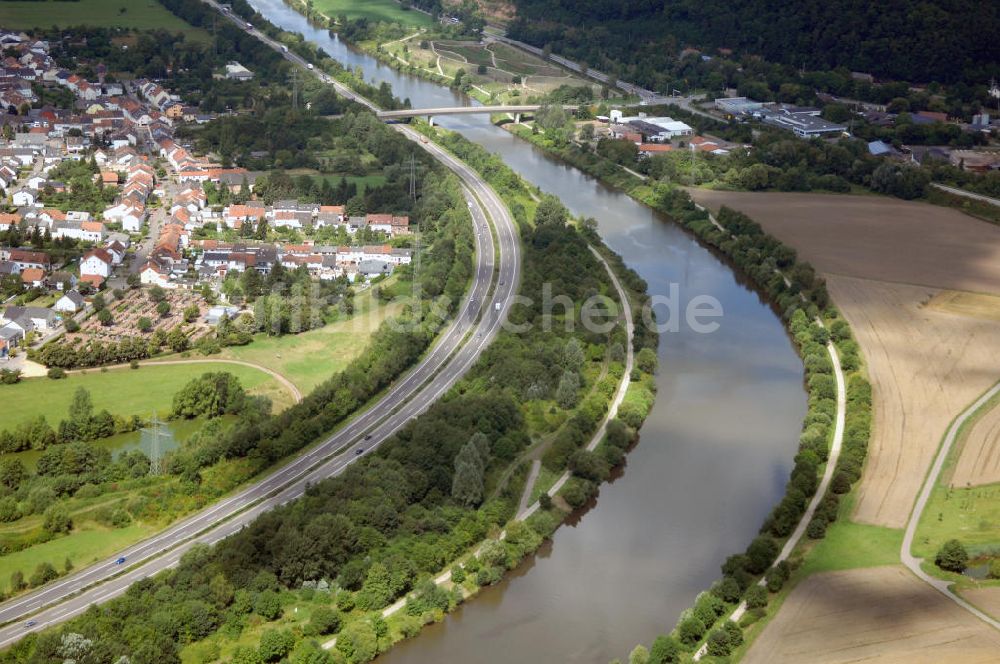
948,41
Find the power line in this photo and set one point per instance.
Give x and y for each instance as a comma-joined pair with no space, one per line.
294,75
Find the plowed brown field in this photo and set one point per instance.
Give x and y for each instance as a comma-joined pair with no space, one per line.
885,262
911,279
880,614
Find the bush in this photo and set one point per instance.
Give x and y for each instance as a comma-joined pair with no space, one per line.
57,520
776,576
345,602
841,483
952,557
690,631
718,644
267,605
761,553
756,597
734,632
56,373
71,325
44,573
817,528
665,650
994,572
577,492
728,589
275,644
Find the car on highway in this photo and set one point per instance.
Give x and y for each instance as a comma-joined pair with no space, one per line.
120,561
30,624
250,27
368,437
309,66
359,451
284,48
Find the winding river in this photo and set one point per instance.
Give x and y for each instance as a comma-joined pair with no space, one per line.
714,456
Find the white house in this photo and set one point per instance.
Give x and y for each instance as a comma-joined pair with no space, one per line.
96,262
153,274
132,219
23,198
71,302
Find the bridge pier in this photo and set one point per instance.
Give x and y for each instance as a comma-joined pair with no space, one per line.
517,118
430,120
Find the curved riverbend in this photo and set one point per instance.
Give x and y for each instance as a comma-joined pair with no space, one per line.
715,453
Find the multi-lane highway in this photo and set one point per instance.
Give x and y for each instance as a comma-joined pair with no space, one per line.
474,327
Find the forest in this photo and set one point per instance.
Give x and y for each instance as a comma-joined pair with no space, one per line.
911,40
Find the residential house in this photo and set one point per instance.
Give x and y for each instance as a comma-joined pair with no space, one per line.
61,281
25,258
23,198
71,302
96,262
37,318
33,277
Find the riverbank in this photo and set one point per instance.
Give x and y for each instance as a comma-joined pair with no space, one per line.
787,524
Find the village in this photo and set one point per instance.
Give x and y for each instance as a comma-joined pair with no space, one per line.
101,198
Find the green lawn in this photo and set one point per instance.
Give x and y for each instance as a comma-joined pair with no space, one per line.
136,14
374,10
362,182
309,358
970,514
850,545
82,548
122,391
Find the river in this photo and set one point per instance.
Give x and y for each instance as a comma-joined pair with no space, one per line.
713,459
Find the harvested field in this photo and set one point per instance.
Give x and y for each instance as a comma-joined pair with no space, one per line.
877,238
986,599
961,303
886,262
882,614
925,368
979,462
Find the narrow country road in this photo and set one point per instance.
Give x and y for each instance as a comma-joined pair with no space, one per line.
966,194
536,468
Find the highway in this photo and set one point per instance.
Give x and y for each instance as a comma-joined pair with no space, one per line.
478,321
